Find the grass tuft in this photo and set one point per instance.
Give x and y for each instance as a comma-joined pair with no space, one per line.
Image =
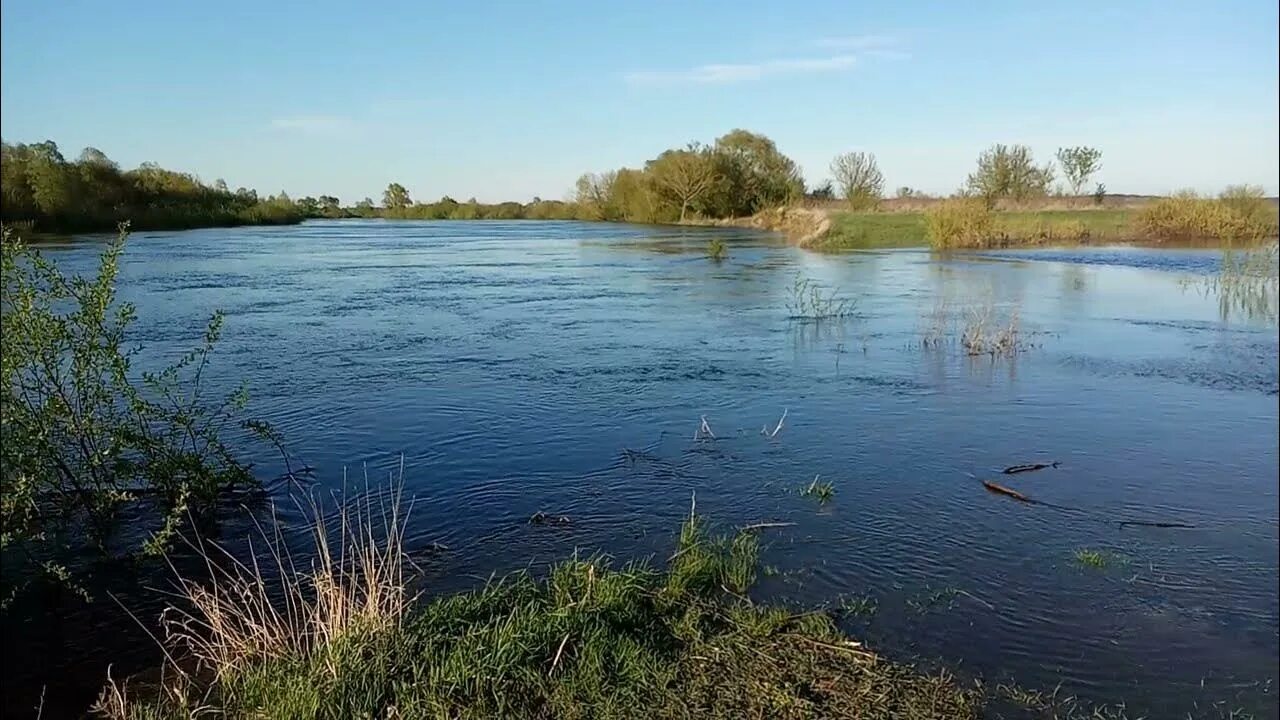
1097,559
717,249
823,491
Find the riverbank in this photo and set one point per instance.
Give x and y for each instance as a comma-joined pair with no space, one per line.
968,224
587,640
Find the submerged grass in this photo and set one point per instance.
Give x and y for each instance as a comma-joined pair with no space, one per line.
1097,559
587,640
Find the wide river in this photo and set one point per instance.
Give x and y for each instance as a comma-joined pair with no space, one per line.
565,367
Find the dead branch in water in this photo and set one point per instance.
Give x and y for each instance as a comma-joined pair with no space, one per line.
765,526
704,431
1029,467
765,430
1002,490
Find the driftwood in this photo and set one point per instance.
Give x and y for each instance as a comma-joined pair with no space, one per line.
1002,490
1030,467
765,526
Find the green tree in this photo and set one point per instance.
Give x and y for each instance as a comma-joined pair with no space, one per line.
395,197
1009,172
1078,165
683,176
859,178
594,194
753,175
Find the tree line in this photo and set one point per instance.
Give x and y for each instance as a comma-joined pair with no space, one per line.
738,174
46,191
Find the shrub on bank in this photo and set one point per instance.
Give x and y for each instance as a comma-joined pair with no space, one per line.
960,223
84,433
1240,214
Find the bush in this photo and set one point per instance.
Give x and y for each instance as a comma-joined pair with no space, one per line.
81,433
1240,214
960,223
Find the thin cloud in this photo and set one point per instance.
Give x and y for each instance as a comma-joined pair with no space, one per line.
720,73
313,124
858,42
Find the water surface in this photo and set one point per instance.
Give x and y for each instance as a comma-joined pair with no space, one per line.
513,365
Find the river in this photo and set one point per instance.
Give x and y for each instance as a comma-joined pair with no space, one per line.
564,367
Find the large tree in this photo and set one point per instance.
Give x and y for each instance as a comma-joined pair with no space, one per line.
754,175
395,197
683,176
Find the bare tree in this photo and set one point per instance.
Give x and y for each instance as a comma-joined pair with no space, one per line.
860,179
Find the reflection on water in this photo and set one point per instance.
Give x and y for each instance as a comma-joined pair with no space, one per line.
511,363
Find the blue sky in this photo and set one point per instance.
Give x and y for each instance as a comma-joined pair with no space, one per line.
507,100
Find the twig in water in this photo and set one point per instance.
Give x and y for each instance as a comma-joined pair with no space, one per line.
975,597
765,430
704,430
765,525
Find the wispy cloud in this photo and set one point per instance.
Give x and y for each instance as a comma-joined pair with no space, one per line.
719,73
859,42
313,124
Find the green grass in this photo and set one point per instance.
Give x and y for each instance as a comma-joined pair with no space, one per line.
865,230
823,491
869,230
1097,559
717,250
588,640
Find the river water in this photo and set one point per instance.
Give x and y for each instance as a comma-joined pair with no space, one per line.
517,367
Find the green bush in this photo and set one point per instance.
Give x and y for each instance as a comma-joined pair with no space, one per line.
83,433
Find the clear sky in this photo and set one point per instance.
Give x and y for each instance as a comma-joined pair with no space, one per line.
508,100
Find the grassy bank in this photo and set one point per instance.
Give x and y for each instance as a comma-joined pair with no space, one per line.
851,230
967,224
587,640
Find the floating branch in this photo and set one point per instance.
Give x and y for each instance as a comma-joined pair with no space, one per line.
765,430
1030,467
765,526
1002,490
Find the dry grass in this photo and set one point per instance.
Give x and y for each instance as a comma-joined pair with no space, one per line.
241,614
985,333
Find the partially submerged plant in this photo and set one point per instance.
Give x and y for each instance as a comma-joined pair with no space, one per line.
808,302
717,250
1097,559
823,491
984,334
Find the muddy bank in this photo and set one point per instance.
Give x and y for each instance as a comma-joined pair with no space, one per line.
804,227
